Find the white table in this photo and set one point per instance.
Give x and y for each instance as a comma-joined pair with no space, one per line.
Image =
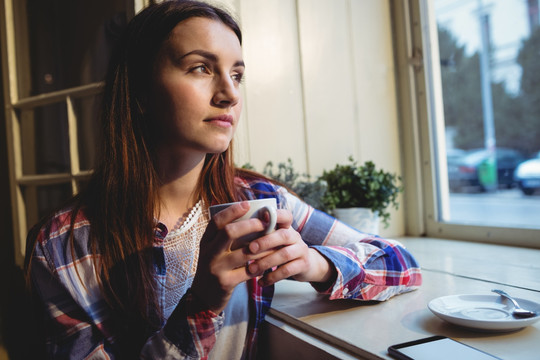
305,325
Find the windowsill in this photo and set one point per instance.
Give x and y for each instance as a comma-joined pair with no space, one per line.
352,329
500,264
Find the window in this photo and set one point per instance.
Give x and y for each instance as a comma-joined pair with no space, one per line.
471,110
55,55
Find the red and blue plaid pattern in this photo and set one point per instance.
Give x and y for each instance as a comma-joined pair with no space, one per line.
369,268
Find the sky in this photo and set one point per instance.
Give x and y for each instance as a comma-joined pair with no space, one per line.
509,27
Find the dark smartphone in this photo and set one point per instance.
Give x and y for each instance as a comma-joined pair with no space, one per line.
437,347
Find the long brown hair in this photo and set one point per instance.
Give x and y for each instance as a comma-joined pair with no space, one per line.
120,200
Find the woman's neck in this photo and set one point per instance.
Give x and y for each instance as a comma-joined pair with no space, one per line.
177,193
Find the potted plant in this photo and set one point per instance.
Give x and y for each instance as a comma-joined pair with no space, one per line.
358,194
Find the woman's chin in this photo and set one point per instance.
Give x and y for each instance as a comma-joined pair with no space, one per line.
217,149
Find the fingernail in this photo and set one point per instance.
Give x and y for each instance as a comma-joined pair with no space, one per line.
253,247
253,268
244,204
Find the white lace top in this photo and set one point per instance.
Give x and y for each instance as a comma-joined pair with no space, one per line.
181,248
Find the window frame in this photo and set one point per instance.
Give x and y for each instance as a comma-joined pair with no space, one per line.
15,75
422,126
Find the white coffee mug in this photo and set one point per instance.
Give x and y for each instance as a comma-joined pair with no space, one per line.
257,209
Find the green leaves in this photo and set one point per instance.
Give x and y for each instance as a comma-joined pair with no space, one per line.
352,185
349,185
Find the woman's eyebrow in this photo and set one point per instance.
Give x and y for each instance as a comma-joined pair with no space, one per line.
210,56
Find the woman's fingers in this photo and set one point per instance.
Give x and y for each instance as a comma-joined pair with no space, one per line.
230,214
279,238
225,260
218,223
221,268
288,255
284,219
281,247
311,266
282,272
223,230
286,262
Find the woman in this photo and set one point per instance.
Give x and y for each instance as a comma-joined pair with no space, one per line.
133,267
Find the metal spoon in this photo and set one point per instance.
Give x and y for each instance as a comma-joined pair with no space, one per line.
518,311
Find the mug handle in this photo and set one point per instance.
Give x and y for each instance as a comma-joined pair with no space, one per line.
272,215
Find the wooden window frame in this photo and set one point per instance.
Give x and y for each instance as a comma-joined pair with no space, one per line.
15,75
420,101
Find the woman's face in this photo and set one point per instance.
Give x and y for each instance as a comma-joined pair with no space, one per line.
195,99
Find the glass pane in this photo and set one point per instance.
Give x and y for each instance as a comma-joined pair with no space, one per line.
70,41
41,200
44,140
87,114
489,67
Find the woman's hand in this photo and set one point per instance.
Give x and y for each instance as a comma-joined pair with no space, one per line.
219,268
291,255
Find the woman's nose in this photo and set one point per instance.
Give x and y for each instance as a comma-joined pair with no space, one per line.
227,93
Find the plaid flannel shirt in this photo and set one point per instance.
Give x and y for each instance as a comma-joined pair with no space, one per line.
78,318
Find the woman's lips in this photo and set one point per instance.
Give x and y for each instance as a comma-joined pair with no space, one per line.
221,120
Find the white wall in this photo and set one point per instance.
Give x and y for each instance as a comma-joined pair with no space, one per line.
320,85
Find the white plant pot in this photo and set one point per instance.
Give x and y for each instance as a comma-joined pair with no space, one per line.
362,219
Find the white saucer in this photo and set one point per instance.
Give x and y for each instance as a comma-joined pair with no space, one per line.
484,312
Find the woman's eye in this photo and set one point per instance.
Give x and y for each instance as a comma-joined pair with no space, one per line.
203,69
238,78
